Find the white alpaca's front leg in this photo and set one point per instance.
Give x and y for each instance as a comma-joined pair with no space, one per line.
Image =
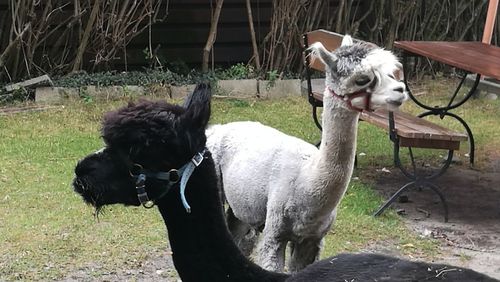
271,252
304,253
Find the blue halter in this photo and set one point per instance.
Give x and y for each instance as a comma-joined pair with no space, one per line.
172,177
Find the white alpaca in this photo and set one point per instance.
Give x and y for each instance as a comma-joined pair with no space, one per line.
288,186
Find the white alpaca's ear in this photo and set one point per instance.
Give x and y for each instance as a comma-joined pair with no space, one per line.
398,72
319,51
347,41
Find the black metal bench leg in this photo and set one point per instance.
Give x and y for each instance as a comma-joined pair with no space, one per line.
432,186
315,117
470,136
316,121
417,180
393,198
472,146
452,104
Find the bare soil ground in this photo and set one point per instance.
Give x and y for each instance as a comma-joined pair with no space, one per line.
471,237
157,267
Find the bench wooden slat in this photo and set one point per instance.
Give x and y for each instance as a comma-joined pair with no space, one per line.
429,143
410,126
318,96
429,129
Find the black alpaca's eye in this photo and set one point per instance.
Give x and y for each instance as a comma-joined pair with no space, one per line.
362,80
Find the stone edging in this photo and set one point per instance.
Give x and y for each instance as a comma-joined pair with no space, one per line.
245,88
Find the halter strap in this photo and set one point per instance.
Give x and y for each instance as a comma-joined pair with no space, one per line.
349,97
186,174
172,177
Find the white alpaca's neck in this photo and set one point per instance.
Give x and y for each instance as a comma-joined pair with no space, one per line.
335,160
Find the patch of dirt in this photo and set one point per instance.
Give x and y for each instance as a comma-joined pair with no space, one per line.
157,267
471,237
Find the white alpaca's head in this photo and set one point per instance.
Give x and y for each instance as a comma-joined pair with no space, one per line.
363,68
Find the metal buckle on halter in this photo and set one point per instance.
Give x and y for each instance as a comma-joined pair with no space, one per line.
174,176
142,195
198,158
149,204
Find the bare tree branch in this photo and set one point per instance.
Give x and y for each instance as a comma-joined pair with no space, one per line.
86,35
212,34
13,44
252,34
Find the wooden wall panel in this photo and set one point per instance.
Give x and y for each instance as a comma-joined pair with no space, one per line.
182,36
184,33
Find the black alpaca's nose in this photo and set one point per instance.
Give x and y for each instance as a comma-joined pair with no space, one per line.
82,168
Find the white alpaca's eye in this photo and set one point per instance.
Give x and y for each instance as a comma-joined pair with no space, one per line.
362,80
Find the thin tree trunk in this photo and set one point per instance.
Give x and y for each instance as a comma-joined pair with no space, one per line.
252,34
13,44
85,38
211,36
340,16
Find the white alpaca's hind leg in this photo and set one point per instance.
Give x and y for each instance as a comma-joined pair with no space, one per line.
304,253
243,234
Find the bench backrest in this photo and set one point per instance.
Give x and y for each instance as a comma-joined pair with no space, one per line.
330,40
490,21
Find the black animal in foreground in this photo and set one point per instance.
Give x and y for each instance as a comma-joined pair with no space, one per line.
155,153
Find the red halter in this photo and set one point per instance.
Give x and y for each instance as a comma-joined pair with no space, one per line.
349,97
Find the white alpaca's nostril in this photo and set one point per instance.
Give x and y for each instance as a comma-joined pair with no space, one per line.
399,89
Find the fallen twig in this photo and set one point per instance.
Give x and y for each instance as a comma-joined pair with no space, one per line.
444,271
427,214
10,111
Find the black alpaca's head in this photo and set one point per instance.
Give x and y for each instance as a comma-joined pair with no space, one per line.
154,136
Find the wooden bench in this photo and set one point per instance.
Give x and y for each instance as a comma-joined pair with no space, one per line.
405,130
416,132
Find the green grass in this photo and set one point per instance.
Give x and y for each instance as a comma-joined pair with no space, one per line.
47,231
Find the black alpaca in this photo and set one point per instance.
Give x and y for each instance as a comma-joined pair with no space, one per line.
145,144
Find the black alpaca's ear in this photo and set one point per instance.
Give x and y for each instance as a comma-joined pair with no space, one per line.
197,106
